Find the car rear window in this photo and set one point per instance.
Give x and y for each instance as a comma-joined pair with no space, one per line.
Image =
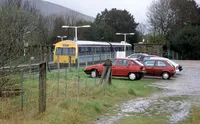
171,64
160,63
149,63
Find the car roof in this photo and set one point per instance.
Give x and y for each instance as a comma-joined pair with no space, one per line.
157,57
139,54
126,58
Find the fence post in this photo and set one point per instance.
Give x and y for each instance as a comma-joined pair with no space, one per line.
58,75
93,57
66,81
42,88
70,62
86,86
78,74
22,89
30,63
86,61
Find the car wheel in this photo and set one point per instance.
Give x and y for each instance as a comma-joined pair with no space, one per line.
132,76
94,74
139,77
165,76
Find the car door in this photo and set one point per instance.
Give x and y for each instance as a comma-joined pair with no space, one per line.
122,68
159,67
114,62
149,65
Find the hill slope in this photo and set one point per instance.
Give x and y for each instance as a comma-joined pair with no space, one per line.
48,8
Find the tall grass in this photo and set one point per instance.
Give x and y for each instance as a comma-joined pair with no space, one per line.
68,102
194,117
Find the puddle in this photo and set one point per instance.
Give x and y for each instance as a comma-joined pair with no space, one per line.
174,111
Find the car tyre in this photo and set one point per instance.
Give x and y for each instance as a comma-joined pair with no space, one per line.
165,76
139,77
132,76
94,73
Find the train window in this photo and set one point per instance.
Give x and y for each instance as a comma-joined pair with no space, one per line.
72,51
58,51
66,51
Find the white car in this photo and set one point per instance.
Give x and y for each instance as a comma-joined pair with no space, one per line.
170,61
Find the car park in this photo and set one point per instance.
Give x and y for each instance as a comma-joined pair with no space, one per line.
159,67
123,67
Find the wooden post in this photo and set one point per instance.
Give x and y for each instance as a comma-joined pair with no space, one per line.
22,89
107,72
86,61
58,75
42,88
70,63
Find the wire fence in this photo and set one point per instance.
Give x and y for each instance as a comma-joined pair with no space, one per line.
19,93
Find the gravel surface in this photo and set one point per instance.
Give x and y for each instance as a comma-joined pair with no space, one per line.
179,94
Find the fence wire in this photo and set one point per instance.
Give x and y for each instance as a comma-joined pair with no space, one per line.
19,93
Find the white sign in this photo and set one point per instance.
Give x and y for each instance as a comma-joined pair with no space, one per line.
120,54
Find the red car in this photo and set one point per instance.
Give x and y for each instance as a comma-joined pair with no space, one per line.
124,67
158,67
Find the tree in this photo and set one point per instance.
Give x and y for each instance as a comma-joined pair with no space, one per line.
187,42
185,12
157,39
142,28
171,15
160,17
20,23
108,23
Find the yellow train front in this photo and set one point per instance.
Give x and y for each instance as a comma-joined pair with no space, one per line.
65,52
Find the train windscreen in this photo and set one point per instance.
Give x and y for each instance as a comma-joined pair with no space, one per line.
66,51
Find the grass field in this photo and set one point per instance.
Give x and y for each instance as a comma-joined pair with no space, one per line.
69,102
194,117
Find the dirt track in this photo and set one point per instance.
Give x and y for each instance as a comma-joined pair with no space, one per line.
183,91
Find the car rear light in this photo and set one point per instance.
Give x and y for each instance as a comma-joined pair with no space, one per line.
142,68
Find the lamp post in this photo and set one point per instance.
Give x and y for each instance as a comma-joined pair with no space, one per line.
76,27
125,34
61,37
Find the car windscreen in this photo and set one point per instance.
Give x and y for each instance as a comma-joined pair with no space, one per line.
139,63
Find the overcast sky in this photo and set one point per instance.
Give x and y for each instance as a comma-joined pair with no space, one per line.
137,8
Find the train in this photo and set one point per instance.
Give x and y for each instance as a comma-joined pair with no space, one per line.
87,51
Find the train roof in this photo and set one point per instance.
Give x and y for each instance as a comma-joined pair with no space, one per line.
82,42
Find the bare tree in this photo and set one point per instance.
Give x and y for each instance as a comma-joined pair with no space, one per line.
142,28
160,16
166,15
184,11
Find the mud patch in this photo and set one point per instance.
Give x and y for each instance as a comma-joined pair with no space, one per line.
172,111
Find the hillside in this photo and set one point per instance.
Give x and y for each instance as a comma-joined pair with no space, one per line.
48,8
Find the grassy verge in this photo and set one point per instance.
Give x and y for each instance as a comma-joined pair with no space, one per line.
142,120
194,117
70,102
